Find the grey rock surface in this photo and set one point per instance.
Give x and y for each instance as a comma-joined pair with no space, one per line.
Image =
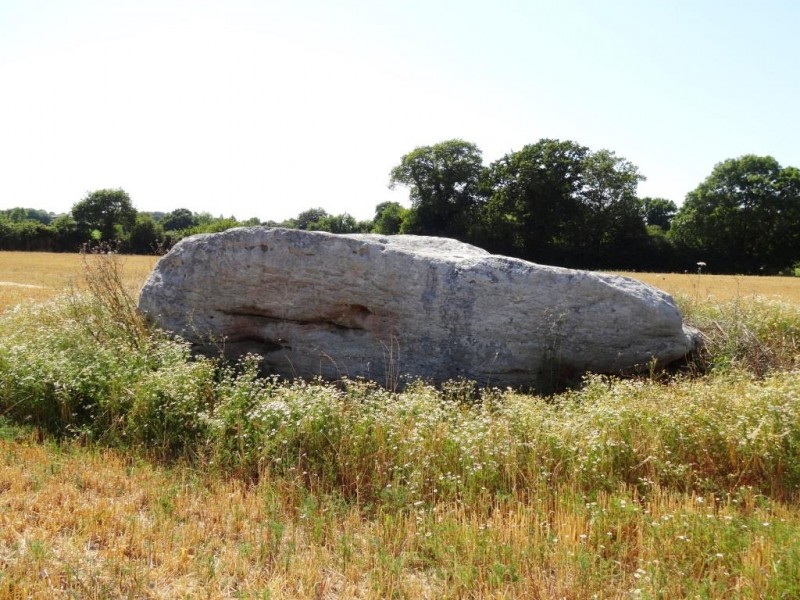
382,307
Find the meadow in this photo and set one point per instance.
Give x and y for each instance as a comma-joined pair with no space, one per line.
131,469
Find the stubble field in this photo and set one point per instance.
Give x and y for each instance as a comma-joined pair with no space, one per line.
37,276
130,470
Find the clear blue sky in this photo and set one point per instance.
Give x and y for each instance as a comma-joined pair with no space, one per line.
266,108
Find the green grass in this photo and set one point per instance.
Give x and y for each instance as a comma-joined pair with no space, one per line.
205,477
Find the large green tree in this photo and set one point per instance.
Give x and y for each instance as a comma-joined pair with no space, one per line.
68,234
615,231
659,212
534,206
389,218
108,211
146,236
744,218
444,188
558,202
307,218
178,219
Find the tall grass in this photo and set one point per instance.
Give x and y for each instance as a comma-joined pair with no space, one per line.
90,523
88,365
447,492
754,334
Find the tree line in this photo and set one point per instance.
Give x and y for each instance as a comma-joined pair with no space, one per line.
553,202
558,202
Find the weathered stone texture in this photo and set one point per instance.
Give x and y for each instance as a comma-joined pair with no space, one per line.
313,303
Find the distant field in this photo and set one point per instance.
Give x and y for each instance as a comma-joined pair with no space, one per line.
37,276
701,288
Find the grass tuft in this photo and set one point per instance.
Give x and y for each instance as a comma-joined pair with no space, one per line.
754,335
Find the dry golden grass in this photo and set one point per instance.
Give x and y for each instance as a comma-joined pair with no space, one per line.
81,522
39,276
87,522
721,288
97,524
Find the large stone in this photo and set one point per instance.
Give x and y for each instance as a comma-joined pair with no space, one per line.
317,304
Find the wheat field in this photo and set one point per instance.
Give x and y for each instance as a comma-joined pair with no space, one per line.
722,288
37,276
